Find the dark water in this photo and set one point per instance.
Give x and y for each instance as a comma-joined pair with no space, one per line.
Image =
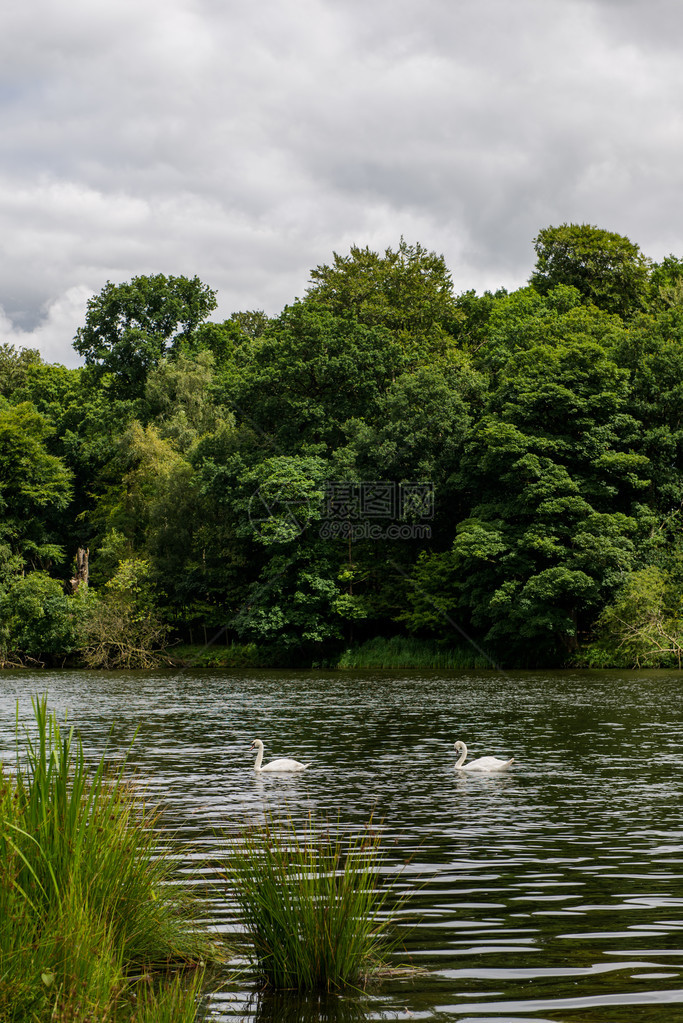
553,892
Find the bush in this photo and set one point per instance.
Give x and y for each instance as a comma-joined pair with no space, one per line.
122,628
312,903
408,652
86,899
37,619
642,627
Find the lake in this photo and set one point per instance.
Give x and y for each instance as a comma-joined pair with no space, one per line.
551,892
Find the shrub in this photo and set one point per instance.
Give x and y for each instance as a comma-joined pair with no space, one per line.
37,619
122,628
88,899
312,903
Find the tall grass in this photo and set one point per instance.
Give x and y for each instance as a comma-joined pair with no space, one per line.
235,655
312,903
89,901
409,652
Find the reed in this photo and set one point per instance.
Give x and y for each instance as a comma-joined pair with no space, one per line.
312,904
89,899
410,652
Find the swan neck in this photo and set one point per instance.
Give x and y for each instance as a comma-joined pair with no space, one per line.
463,756
259,757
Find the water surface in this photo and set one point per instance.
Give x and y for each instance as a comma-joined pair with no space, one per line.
549,893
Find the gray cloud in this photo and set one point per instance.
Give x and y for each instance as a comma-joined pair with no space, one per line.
246,142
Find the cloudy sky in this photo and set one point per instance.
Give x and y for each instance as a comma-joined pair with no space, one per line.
246,140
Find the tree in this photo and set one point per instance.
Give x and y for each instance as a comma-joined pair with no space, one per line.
34,485
122,627
37,619
666,283
180,398
130,327
408,291
14,365
605,267
311,371
652,353
554,483
643,626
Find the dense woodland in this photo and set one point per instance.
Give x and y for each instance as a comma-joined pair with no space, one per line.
222,476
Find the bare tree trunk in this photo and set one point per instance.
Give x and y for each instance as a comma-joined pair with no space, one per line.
81,576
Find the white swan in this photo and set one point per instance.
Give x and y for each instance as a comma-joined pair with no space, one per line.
284,764
482,764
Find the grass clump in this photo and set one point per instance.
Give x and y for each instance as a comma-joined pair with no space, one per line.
312,903
409,652
92,919
236,655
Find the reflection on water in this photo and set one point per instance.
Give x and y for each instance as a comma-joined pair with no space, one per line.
550,892
291,1007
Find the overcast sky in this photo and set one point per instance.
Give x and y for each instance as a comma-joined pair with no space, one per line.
246,140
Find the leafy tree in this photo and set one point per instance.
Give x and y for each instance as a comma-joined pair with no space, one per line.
122,627
666,284
33,486
130,327
643,626
408,291
606,268
290,592
313,370
524,319
553,485
181,399
419,424
144,463
14,365
652,353
37,619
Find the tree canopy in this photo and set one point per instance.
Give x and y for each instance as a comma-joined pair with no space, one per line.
130,327
384,455
606,268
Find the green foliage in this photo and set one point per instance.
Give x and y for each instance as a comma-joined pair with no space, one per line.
180,399
130,327
666,284
553,483
314,369
37,619
643,626
122,628
407,652
14,367
606,268
549,422
215,655
87,890
33,485
408,291
420,425
312,902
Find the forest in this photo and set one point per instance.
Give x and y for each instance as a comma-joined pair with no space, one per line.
388,461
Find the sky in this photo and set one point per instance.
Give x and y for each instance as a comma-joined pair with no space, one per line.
245,142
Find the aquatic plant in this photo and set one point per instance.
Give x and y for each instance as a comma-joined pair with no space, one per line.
90,906
410,652
313,905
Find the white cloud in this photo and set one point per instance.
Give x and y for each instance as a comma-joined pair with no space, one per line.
246,142
60,320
